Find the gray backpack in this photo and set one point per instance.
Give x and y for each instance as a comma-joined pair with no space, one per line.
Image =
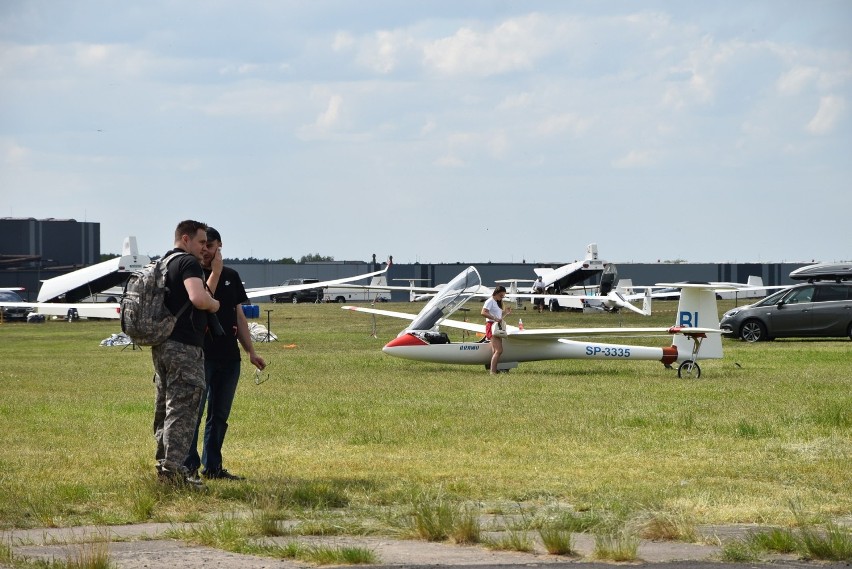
144,314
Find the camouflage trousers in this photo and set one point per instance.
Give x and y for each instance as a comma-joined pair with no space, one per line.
179,382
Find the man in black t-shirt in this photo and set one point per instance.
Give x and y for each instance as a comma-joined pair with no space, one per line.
221,361
179,361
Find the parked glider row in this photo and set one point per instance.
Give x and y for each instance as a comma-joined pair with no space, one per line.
695,332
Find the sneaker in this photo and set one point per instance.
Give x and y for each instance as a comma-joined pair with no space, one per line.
179,479
221,474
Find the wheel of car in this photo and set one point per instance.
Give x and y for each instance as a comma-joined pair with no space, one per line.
273,299
340,300
295,299
753,331
689,369
849,332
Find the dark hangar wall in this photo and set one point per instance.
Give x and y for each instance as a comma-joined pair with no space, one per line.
35,249
59,242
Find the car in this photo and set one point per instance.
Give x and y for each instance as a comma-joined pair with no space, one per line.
306,295
819,309
13,312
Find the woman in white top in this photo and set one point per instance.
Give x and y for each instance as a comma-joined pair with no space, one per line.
493,312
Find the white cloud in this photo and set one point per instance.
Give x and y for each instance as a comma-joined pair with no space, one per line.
330,117
795,80
516,101
13,153
498,144
510,46
567,122
635,159
831,109
449,161
342,41
239,69
263,100
428,127
383,51
92,54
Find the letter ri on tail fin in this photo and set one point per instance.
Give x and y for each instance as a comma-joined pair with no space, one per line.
697,309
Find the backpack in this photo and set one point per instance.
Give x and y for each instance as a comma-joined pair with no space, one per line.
144,314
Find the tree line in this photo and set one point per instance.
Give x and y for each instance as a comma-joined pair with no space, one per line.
310,258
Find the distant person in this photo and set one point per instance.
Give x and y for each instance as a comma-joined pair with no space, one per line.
493,312
221,361
179,361
538,288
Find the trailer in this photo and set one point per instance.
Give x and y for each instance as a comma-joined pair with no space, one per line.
358,293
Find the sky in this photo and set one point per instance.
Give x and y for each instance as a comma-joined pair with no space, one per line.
437,132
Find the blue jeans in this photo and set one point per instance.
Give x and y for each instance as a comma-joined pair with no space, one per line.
222,379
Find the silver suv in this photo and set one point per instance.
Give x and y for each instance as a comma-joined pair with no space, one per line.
820,309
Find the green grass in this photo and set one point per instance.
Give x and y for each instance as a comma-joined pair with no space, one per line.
557,541
616,545
435,516
824,542
340,427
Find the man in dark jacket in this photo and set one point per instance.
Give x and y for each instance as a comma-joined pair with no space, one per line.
221,361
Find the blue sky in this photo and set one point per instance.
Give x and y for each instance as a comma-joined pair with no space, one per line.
438,131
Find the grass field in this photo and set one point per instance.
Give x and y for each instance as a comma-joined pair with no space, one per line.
341,428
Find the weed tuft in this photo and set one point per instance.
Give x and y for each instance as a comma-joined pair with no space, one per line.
832,543
777,540
90,555
466,527
265,523
740,551
616,545
557,541
512,540
667,526
433,517
576,522
323,555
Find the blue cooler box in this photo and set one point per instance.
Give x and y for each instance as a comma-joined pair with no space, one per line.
251,310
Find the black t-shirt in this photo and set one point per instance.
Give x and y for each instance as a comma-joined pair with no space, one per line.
190,327
230,293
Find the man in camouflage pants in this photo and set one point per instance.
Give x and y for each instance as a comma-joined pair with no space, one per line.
179,361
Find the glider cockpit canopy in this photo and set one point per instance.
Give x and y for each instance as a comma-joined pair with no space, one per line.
449,299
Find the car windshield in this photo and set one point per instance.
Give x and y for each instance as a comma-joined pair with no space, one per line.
10,296
773,298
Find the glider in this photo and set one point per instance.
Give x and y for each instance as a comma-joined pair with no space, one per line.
695,333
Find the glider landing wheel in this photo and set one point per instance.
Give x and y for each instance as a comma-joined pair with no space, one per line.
689,369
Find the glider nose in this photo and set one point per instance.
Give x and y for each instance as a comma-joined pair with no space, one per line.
407,340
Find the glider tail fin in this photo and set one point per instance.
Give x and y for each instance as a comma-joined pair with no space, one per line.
646,303
697,309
